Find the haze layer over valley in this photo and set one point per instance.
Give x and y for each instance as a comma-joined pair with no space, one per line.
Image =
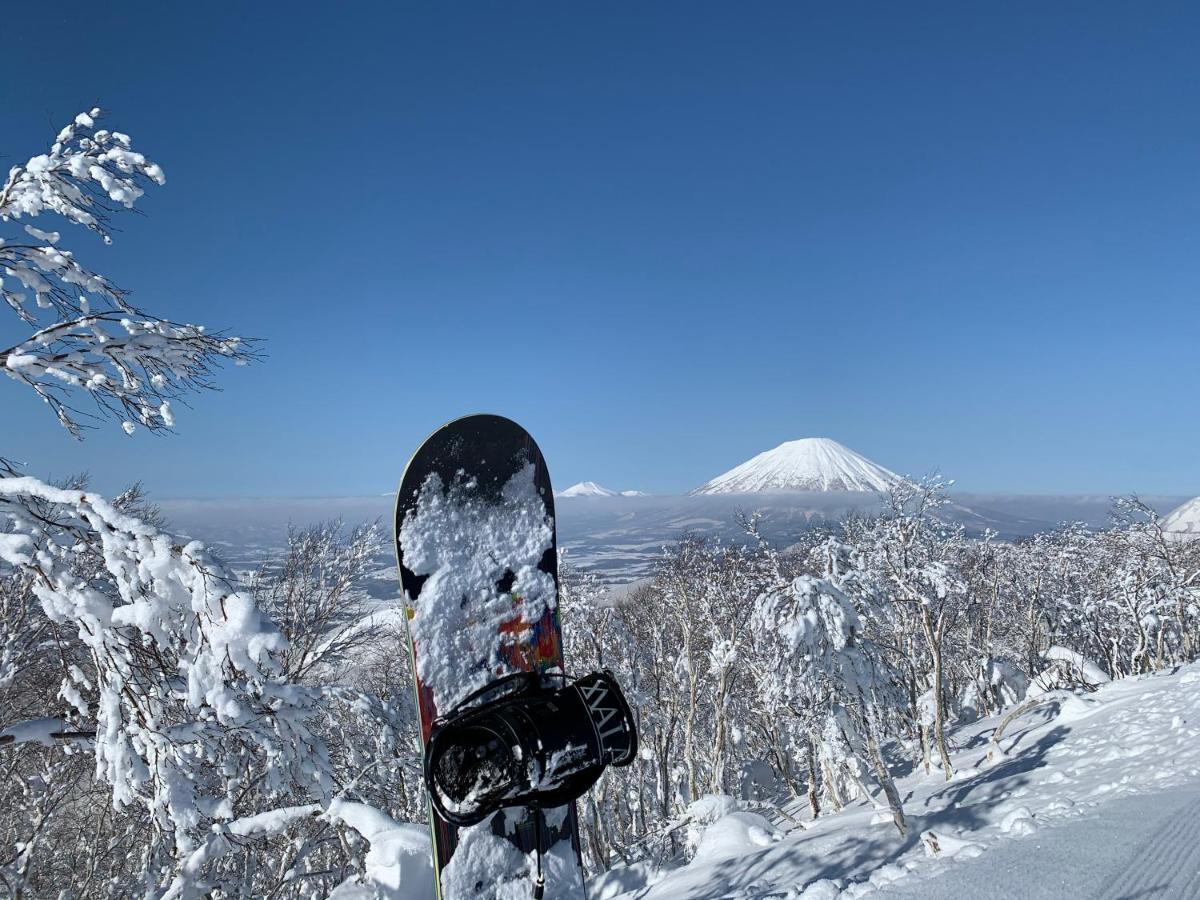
620,534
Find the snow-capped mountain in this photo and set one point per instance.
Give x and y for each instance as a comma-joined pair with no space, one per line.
591,489
810,464
586,489
1184,520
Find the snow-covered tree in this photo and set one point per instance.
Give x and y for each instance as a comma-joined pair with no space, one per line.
1159,587
162,735
817,666
911,556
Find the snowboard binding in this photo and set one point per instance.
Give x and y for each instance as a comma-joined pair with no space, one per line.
529,739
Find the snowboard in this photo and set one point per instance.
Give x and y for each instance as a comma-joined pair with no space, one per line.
477,554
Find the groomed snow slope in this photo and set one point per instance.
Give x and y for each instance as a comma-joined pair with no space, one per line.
1184,520
810,464
1096,796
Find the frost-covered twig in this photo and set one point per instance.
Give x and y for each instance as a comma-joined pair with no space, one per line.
96,343
86,176
312,595
132,368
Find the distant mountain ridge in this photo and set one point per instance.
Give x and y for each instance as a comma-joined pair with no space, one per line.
591,489
809,464
586,489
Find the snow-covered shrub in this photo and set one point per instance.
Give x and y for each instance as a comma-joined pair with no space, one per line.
910,562
175,686
181,663
998,684
817,668
399,862
733,835
1065,668
702,813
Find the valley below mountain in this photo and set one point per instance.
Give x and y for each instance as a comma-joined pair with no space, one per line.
621,538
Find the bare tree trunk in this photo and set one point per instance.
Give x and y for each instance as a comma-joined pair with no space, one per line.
995,750
831,788
664,778
885,778
1185,633
639,823
717,782
689,732
597,852
933,636
814,802
939,715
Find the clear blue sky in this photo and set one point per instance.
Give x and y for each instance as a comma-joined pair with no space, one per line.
662,236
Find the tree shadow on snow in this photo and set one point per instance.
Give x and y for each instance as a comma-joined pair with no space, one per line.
992,785
804,858
794,863
1047,712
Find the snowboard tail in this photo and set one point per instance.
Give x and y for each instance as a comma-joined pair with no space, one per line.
477,554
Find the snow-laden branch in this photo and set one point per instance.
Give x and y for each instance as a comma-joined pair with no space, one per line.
46,732
183,665
132,368
398,857
189,882
90,341
87,175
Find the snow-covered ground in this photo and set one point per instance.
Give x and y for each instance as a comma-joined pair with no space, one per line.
1095,795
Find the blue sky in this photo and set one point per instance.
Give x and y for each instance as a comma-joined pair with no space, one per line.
662,236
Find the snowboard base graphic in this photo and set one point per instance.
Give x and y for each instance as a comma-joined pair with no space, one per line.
475,544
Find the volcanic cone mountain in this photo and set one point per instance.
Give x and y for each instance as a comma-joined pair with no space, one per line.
810,464
586,489
1184,520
